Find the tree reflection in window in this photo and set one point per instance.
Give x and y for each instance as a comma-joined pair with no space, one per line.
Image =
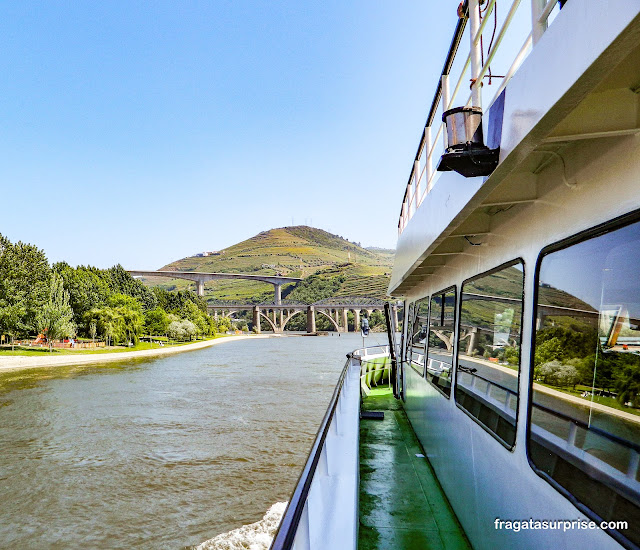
419,335
489,349
440,341
585,417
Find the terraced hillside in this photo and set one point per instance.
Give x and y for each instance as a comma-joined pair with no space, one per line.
330,265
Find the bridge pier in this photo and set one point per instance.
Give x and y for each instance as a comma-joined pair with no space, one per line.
345,320
200,283
311,320
278,292
256,319
356,320
472,340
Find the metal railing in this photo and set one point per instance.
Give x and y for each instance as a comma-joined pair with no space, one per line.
509,393
570,445
476,67
624,476
371,351
329,479
287,531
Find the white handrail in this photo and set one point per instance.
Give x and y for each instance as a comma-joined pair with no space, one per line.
503,30
460,80
423,174
487,13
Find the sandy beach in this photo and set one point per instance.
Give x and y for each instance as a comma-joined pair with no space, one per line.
26,362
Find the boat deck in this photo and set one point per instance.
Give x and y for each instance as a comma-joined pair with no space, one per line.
402,505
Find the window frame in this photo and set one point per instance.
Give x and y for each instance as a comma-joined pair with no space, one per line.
510,448
416,308
577,238
454,335
407,329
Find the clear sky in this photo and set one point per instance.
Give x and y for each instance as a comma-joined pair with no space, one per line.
142,132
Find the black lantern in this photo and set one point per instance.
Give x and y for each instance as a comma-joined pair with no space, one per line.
467,154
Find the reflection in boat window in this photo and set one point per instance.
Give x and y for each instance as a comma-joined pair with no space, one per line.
419,335
406,341
489,349
585,417
440,341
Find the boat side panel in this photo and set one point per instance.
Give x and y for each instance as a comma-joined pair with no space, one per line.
484,481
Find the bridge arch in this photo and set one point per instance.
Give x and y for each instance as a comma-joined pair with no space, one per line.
270,321
290,316
333,321
231,312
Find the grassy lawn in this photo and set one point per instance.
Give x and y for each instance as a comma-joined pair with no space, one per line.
5,351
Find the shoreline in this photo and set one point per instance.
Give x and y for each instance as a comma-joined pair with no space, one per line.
25,362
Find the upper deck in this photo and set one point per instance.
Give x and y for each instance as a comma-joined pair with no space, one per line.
575,80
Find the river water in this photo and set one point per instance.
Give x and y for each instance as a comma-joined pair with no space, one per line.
162,453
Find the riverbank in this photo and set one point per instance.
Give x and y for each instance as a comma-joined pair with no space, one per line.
25,362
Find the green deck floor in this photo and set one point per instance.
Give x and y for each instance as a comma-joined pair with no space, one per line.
402,505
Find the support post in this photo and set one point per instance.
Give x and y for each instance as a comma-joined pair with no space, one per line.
345,320
446,99
476,55
356,320
256,319
416,177
537,27
200,287
472,340
427,156
278,291
311,320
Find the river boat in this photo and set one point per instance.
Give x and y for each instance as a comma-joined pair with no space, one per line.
517,264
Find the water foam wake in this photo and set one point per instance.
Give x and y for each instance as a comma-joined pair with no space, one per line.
256,536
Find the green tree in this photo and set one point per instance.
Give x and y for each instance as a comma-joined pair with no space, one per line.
109,323
24,286
121,282
55,317
627,382
156,321
11,316
192,313
129,310
87,288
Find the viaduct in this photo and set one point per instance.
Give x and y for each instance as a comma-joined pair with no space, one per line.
278,315
200,278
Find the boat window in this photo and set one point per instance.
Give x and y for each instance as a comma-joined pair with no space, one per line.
419,335
584,431
440,341
407,339
489,349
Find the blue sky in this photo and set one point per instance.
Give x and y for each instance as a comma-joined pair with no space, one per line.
142,132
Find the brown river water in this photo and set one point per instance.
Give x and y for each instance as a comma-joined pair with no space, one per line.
161,453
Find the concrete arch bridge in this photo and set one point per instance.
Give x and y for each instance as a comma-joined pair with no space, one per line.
200,278
278,315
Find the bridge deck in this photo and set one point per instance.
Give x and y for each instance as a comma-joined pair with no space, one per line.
402,505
